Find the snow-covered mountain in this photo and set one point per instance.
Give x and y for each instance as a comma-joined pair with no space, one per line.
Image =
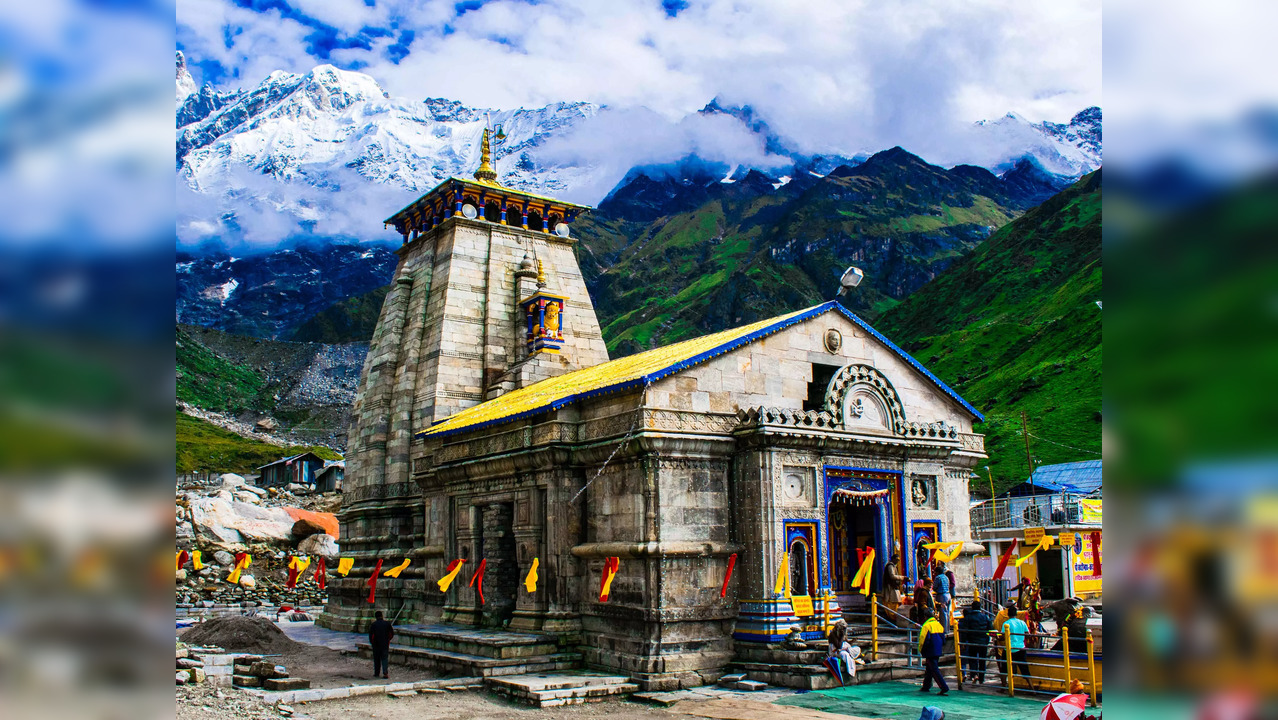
312,134
1071,149
330,152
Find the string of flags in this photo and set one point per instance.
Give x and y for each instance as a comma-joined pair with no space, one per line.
298,566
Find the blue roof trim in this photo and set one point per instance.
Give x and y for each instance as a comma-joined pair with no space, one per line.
712,353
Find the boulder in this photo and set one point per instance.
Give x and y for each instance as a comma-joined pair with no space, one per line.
247,497
297,488
306,527
260,492
223,557
266,424
248,582
326,521
180,575
231,480
320,544
183,677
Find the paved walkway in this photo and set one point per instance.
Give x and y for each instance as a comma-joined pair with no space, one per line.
903,701
311,634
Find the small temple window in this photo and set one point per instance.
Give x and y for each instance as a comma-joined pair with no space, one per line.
492,211
821,375
552,220
534,220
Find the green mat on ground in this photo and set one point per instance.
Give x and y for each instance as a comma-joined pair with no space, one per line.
903,701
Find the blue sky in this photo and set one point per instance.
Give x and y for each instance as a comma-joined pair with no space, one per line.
836,69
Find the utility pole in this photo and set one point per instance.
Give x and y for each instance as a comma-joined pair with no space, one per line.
1028,461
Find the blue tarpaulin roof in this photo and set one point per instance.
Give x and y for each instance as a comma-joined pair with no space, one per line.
1082,477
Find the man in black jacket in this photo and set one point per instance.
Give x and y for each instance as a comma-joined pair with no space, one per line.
974,629
379,637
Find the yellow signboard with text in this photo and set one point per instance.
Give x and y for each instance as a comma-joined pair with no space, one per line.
1086,579
1033,536
802,605
1066,540
1090,510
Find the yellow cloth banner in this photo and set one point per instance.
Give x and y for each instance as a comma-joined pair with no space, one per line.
344,566
196,561
945,551
1091,510
783,576
530,582
302,564
395,571
447,580
863,574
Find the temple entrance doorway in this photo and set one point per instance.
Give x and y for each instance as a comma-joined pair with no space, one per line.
854,528
501,573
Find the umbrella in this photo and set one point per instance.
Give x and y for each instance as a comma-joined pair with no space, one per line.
1065,707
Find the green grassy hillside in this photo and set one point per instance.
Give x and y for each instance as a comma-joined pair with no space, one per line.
206,380
1014,326
202,446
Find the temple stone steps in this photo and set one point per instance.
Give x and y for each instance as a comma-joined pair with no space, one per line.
455,663
554,689
497,644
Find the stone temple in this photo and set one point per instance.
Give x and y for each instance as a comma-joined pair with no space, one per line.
491,425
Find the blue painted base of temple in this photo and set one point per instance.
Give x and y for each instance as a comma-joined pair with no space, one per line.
772,620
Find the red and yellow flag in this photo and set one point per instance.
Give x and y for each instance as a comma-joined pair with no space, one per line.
395,571
242,561
611,565
1007,556
454,567
321,574
864,574
182,557
344,566
196,561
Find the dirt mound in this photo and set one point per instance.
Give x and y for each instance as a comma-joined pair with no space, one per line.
241,634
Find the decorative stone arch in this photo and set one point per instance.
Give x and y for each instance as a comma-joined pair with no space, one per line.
861,396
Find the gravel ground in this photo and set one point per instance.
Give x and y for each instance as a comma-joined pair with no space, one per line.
206,702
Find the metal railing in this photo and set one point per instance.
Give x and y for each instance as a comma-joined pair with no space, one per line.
1029,511
1025,674
993,593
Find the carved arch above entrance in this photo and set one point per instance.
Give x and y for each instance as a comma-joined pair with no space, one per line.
861,397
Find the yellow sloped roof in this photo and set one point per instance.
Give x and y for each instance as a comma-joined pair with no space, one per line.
613,376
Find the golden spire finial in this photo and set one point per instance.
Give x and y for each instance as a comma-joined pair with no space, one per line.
541,274
486,173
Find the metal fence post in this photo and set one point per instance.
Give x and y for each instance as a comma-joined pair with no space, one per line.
874,627
1065,655
1091,664
1007,656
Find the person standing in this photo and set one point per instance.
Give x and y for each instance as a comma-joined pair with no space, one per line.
942,589
893,583
1017,628
924,605
380,634
931,643
974,636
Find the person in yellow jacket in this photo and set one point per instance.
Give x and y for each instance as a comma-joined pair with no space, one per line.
931,642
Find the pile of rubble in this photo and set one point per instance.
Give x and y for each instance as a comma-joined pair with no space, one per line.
234,516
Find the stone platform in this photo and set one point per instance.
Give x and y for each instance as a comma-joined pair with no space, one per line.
554,689
477,652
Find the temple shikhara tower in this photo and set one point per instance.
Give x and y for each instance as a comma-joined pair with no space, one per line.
491,427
